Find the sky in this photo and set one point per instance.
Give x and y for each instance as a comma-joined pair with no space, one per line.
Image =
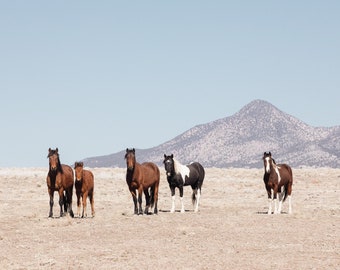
96,77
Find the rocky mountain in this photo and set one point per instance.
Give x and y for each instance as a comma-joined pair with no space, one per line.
240,140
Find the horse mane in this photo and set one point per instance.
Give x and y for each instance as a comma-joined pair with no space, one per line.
181,169
177,166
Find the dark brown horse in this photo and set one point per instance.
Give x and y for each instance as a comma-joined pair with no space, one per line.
84,185
59,178
142,177
276,177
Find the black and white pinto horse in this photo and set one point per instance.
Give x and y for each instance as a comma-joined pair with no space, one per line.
179,175
277,176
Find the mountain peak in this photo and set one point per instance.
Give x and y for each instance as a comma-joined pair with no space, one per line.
258,106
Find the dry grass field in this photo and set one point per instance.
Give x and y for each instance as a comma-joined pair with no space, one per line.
230,231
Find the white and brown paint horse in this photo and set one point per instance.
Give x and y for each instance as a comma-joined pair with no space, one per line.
179,175
277,177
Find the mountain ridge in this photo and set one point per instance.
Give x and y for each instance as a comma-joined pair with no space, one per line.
239,140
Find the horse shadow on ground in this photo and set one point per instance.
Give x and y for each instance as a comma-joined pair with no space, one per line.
266,213
176,211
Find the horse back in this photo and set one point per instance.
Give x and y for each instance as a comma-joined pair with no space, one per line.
150,172
286,172
67,176
198,171
89,179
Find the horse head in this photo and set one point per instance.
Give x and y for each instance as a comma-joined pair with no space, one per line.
78,168
267,161
169,164
53,157
130,157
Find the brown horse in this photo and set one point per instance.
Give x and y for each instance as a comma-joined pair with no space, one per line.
277,176
142,177
59,178
84,185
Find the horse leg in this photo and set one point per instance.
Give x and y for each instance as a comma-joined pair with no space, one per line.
270,198
196,195
281,196
181,198
84,213
155,197
147,201
61,201
65,201
69,193
78,203
289,192
140,200
275,200
172,199
134,198
51,193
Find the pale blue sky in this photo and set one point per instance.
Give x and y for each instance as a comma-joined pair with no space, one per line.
95,77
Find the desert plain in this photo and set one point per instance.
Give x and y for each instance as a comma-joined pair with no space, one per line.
231,230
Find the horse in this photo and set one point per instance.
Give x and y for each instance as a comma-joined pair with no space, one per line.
141,178
277,176
59,178
179,175
84,185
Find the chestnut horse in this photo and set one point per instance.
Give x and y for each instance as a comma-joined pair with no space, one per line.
84,185
142,177
277,176
59,178
179,175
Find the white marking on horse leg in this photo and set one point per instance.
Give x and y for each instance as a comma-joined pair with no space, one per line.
269,206
198,196
78,211
182,203
173,204
275,207
290,204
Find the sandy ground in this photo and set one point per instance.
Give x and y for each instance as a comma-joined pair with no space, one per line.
230,231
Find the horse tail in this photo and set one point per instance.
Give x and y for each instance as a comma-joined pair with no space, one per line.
193,198
152,196
289,169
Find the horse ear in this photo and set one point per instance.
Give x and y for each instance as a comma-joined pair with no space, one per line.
133,150
127,149
164,155
264,153
49,150
172,155
56,149
270,154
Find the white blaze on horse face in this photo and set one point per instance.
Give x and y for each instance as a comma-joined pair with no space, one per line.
267,165
168,173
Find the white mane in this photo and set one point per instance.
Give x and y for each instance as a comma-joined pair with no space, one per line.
181,169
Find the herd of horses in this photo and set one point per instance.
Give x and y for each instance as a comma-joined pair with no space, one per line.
145,178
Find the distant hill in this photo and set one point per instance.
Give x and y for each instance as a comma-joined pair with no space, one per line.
240,140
